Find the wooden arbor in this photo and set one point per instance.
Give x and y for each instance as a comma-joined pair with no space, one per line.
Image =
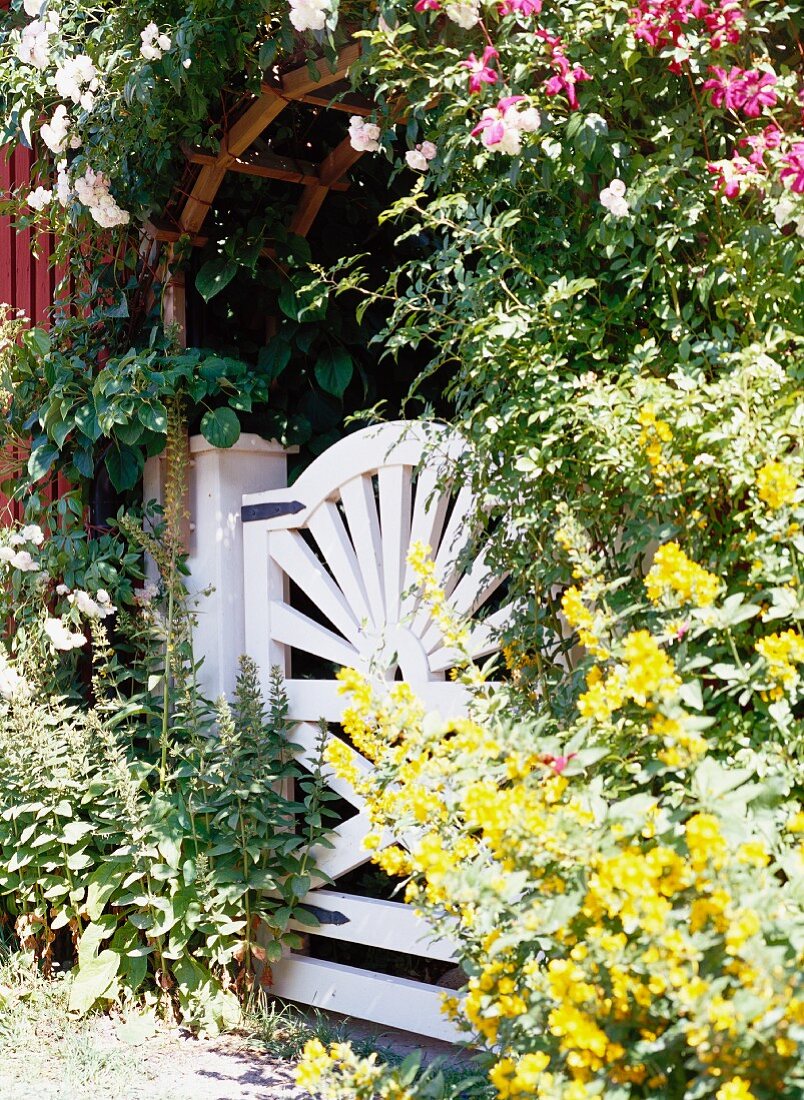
327,89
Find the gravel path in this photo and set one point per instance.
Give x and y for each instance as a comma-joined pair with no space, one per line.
167,1067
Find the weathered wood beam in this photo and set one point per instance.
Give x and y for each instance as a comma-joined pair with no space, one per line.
352,104
248,127
299,82
267,165
160,230
332,168
245,131
201,197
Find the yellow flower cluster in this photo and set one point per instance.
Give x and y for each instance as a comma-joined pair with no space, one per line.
658,952
674,578
735,1089
654,439
776,485
454,630
511,1077
647,676
339,1071
580,618
681,746
783,652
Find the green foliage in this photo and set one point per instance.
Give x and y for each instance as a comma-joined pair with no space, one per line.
81,416
160,887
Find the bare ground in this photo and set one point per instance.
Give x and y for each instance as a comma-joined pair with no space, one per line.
169,1066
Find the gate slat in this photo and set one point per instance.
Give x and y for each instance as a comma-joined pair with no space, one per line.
326,527
292,553
364,527
292,628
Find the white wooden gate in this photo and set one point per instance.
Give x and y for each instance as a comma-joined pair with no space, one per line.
338,539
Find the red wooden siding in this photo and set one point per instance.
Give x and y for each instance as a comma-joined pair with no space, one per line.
27,282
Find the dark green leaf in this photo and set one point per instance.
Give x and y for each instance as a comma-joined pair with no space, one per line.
214,276
220,427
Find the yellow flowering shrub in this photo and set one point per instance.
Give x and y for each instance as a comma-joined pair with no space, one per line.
613,838
650,945
625,887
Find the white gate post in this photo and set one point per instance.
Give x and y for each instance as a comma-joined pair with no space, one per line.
217,480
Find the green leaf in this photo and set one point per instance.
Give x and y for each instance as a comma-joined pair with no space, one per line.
334,370
220,427
154,416
137,1029
214,276
287,300
41,459
92,980
38,341
124,465
273,358
101,887
267,53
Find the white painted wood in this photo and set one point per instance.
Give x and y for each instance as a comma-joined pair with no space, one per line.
328,530
364,528
401,443
395,497
293,555
364,502
305,735
292,628
347,851
217,479
309,700
391,925
366,994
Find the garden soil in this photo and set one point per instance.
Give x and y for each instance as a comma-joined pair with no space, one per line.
173,1065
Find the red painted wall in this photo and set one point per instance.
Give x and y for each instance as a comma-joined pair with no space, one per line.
27,282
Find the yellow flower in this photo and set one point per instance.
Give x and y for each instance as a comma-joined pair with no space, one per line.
735,1089
651,673
602,696
782,653
673,576
704,839
580,618
776,485
753,853
393,860
315,1061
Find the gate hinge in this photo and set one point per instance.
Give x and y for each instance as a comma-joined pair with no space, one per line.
327,916
251,512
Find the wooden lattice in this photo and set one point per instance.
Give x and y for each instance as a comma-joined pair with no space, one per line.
238,153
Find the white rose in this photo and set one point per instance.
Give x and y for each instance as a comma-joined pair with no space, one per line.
416,160
54,133
61,637
33,533
363,136
23,561
466,13
529,120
